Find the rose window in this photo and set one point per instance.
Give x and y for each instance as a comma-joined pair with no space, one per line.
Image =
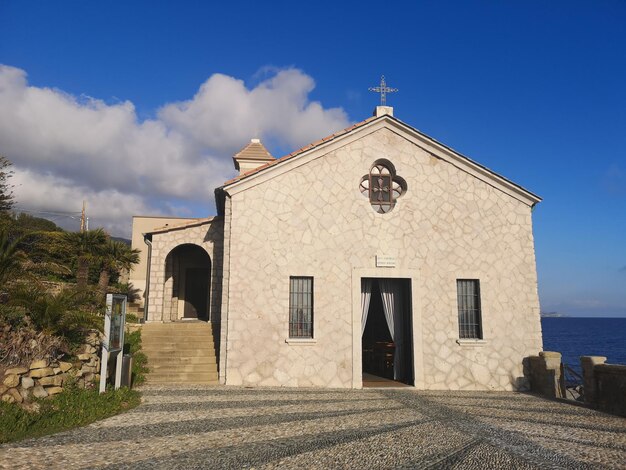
382,186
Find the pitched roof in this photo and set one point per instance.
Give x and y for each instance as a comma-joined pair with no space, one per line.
297,152
483,169
255,150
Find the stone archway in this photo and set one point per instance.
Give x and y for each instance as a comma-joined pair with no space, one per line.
187,283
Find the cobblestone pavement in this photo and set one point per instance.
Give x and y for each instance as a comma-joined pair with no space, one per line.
223,427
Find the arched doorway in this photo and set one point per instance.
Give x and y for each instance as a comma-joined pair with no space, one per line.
187,280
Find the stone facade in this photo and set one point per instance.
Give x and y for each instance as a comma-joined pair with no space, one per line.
306,216
142,225
206,234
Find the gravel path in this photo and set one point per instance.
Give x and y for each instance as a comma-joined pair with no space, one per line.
224,427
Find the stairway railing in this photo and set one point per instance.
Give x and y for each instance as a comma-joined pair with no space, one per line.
573,384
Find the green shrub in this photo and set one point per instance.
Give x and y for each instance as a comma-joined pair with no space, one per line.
71,408
132,318
62,314
132,345
12,316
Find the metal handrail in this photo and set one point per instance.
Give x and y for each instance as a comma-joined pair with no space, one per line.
573,383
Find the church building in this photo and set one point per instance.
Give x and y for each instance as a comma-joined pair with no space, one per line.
374,253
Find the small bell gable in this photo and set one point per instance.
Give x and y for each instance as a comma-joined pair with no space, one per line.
252,156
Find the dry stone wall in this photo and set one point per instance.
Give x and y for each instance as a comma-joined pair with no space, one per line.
313,221
43,377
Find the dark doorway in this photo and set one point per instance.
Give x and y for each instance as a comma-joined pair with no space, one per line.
385,355
188,278
196,292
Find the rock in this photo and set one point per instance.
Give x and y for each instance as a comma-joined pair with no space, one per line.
27,382
65,366
39,392
86,369
40,364
3,388
56,370
89,376
33,343
16,371
84,357
54,380
54,390
8,398
25,393
97,378
41,372
12,380
16,395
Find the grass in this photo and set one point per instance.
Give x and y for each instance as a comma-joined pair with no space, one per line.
132,345
69,409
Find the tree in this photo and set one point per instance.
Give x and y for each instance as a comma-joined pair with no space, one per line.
117,256
6,189
88,246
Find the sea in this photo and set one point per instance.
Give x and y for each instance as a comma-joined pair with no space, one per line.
575,337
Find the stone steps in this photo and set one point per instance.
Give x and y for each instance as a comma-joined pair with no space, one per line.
180,353
183,367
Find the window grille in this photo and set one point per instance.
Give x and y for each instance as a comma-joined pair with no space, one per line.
300,307
468,297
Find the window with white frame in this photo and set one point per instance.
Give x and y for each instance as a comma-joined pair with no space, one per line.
300,307
468,298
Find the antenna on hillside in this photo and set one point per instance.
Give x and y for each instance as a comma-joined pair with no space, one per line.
84,221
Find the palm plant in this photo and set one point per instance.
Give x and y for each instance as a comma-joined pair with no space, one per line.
88,245
117,256
11,257
58,314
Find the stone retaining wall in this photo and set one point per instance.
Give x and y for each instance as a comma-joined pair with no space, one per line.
43,378
605,384
546,374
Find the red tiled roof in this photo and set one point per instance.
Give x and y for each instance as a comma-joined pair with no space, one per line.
300,151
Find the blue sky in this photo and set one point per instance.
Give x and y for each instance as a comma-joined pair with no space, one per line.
533,90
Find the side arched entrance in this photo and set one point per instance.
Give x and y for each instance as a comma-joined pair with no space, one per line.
187,283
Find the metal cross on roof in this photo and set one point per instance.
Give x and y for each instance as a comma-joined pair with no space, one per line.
383,89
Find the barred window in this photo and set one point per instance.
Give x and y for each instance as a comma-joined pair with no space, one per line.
300,307
468,296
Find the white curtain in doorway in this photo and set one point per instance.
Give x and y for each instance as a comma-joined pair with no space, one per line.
366,295
390,292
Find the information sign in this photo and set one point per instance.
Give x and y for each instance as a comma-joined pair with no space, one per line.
384,261
113,343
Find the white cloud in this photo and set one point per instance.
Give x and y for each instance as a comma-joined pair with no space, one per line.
109,208
66,148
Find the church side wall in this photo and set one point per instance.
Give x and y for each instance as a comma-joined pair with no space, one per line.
208,236
313,221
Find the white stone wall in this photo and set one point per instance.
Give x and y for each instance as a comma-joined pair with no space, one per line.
208,236
141,225
313,221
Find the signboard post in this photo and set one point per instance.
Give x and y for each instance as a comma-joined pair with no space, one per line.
113,343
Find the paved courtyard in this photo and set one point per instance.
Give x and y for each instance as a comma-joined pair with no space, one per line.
219,427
